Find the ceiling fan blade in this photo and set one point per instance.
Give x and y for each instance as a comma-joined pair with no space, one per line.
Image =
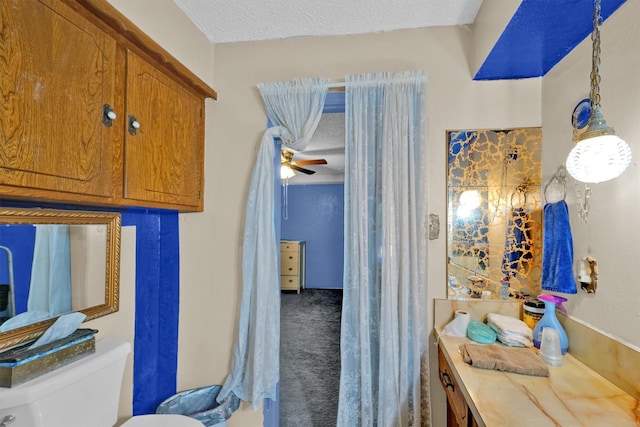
303,170
311,162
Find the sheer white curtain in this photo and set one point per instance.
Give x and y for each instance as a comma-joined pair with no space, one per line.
294,108
383,328
50,289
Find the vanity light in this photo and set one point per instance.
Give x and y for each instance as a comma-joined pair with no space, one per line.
286,172
599,154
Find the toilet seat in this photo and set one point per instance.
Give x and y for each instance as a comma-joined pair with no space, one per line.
163,420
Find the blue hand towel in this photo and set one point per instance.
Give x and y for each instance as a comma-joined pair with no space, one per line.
557,252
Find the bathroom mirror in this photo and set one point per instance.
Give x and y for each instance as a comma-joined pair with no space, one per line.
54,262
494,215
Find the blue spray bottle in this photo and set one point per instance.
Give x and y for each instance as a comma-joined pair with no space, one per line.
549,320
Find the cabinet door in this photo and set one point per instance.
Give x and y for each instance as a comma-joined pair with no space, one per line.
56,72
457,409
164,160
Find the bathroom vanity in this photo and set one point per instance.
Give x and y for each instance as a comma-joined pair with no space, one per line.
574,394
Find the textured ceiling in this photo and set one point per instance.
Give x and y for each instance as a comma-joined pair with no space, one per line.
327,143
224,21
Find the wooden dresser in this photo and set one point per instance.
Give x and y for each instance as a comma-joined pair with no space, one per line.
292,265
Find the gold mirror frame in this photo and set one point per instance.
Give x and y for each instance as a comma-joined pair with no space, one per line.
112,274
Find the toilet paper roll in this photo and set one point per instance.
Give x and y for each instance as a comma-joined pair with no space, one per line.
458,326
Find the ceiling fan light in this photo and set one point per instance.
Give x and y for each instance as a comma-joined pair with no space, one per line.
286,172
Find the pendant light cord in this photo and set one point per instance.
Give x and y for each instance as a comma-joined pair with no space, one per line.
595,64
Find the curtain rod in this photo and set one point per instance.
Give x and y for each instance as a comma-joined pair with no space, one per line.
338,86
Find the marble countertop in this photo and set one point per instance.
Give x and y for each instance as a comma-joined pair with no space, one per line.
573,395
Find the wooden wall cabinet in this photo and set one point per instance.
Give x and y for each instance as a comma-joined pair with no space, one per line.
56,71
163,156
65,67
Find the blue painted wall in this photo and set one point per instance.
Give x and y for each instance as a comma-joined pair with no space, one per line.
155,353
316,215
20,239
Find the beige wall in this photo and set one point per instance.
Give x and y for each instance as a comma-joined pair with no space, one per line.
610,235
454,102
210,242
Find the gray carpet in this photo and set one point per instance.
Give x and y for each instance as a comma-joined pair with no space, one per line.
310,358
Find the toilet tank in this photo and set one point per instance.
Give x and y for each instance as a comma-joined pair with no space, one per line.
84,393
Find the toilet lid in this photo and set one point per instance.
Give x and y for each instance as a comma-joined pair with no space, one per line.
163,420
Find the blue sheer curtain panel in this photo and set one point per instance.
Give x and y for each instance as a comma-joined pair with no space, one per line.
295,108
50,289
383,326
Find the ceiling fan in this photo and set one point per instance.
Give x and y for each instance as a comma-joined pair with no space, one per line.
286,160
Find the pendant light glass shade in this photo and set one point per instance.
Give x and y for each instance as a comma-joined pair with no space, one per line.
599,155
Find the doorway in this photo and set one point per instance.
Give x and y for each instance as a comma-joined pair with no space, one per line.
310,322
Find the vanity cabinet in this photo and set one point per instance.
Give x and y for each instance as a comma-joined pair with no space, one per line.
292,265
95,112
458,412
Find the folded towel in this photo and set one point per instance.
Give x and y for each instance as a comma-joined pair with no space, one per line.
511,331
518,360
557,252
513,340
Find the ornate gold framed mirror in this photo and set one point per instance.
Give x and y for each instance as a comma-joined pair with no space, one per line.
54,262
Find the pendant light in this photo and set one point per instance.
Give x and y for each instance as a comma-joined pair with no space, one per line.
599,154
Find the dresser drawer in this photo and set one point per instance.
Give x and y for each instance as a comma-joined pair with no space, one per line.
291,283
289,246
289,265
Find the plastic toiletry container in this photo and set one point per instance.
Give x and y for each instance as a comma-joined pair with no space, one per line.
532,311
549,320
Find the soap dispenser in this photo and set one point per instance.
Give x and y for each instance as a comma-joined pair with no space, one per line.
549,320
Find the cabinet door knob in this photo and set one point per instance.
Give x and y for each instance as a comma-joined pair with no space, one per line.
134,124
108,115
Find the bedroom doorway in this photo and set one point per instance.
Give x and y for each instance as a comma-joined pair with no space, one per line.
310,321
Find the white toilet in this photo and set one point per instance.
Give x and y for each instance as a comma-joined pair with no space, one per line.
84,393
